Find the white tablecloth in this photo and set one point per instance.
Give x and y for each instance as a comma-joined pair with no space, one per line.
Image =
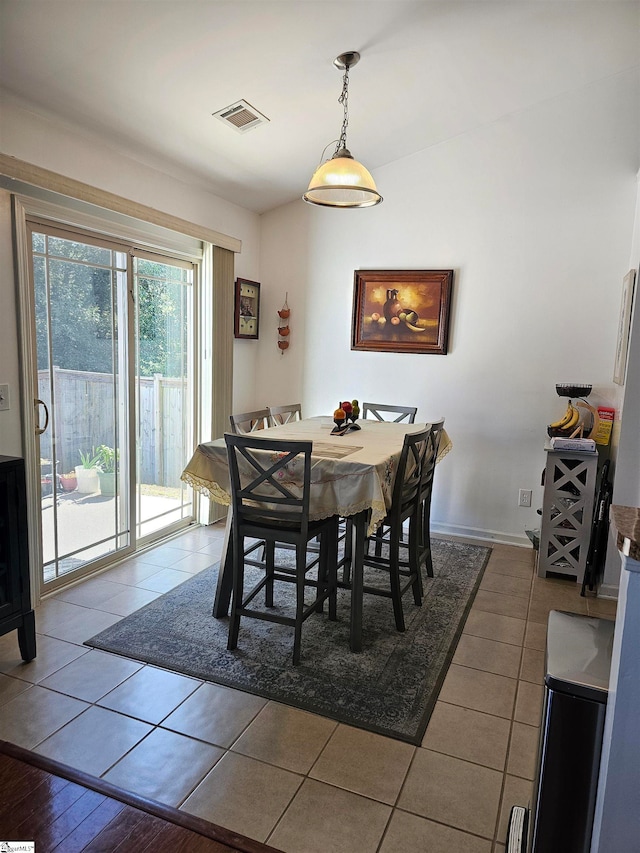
350,473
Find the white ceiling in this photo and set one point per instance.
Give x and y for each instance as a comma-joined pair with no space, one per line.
146,76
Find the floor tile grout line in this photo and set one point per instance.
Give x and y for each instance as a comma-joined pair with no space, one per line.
386,829
505,773
443,823
284,811
326,743
488,672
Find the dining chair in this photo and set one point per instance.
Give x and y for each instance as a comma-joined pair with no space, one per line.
399,414
279,415
382,534
243,424
406,504
247,422
270,490
426,488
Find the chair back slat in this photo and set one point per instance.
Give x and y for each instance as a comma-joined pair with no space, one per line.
266,479
270,480
280,415
407,484
429,468
248,422
397,414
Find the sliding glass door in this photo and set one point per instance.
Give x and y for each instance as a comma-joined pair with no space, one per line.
114,391
163,390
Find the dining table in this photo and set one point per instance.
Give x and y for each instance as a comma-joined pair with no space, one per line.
352,476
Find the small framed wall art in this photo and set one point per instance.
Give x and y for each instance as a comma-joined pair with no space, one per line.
247,309
401,310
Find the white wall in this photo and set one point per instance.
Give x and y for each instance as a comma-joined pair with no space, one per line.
534,213
52,145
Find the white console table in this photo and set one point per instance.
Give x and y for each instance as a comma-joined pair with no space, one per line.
567,512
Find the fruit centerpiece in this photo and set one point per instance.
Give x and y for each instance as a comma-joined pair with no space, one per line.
345,417
339,416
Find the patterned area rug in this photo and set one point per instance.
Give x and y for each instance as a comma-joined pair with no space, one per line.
390,688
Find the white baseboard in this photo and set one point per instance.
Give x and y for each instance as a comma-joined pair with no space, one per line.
491,536
497,537
608,590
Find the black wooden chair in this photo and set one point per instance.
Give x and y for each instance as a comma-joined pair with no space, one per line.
243,424
270,488
382,534
406,504
247,422
398,414
279,415
426,491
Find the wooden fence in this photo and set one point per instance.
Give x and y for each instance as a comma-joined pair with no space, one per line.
84,418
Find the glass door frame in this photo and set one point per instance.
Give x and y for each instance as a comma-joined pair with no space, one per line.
121,307
57,216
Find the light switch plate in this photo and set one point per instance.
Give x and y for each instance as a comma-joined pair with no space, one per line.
5,403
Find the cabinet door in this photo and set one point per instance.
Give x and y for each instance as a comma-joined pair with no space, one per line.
10,546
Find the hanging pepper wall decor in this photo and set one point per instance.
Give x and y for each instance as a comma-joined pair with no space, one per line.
283,326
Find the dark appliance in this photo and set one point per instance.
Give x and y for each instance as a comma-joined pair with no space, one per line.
578,661
15,589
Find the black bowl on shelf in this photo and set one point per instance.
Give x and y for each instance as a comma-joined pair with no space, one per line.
567,390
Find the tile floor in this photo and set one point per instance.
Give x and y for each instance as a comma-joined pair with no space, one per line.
300,782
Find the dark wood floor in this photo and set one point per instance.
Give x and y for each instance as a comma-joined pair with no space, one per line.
67,811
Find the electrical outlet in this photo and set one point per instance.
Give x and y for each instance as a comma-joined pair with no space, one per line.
524,497
4,397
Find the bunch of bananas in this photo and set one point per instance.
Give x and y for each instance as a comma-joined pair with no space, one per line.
567,423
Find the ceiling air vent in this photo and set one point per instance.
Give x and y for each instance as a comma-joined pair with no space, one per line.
241,116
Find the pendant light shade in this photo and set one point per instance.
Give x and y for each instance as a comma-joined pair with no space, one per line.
342,181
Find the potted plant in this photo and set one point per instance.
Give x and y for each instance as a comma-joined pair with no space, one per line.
87,472
108,458
69,481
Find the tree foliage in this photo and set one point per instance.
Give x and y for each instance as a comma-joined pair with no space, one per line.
76,296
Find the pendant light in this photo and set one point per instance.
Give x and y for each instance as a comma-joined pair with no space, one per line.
342,181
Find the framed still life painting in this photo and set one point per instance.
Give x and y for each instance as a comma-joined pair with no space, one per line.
401,310
247,309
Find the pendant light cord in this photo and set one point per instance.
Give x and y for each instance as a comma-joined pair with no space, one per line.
344,100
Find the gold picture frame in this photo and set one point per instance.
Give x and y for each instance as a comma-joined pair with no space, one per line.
401,311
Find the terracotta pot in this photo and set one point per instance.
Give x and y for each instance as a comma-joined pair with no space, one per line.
283,344
68,483
284,313
284,331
